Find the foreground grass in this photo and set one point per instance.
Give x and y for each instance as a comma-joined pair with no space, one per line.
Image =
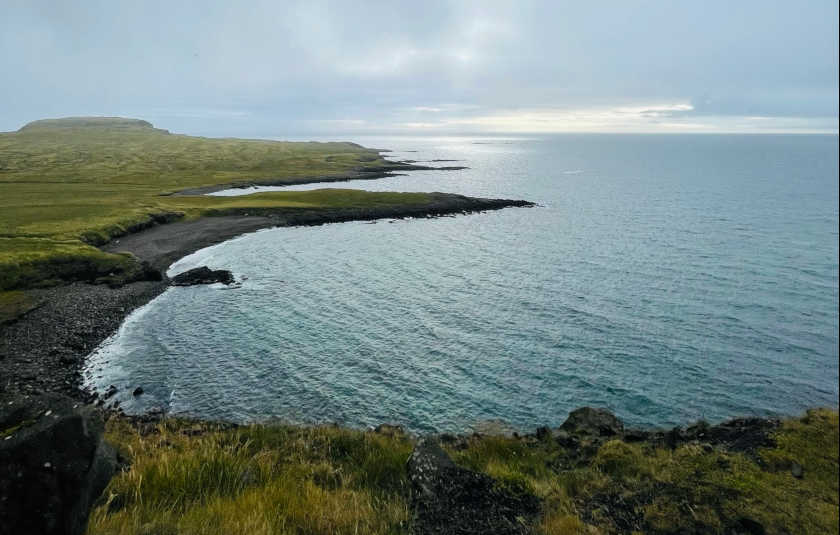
691,489
69,184
276,479
256,480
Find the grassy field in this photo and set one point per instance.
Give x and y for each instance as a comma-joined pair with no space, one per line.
194,478
66,185
15,303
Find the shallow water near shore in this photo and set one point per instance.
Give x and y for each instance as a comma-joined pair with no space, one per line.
668,278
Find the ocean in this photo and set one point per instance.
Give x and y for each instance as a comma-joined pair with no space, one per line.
665,277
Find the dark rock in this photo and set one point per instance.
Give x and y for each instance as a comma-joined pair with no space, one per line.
148,273
202,275
76,343
675,437
389,430
565,439
448,499
698,431
748,526
543,432
636,435
53,465
593,422
796,470
448,438
137,391
110,392
744,435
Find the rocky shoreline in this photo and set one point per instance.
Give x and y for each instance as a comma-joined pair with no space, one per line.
44,350
371,172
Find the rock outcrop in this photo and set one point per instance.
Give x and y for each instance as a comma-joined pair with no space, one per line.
744,435
202,275
54,464
593,422
451,500
598,425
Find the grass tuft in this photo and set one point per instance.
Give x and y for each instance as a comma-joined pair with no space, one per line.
192,478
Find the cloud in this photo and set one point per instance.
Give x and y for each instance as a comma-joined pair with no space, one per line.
267,68
642,118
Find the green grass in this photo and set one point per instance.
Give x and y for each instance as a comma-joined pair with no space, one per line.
687,490
69,184
14,304
256,480
192,478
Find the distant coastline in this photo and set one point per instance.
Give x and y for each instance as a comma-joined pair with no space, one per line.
363,173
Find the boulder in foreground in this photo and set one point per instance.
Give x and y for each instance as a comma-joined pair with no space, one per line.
54,464
452,500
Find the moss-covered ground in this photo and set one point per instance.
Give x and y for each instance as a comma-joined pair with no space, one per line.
188,477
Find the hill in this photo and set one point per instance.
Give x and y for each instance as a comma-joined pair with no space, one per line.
72,184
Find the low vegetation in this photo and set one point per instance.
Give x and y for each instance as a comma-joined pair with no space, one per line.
691,489
187,477
195,478
70,184
14,304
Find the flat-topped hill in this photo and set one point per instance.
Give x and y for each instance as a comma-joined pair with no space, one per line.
133,152
69,184
72,182
86,122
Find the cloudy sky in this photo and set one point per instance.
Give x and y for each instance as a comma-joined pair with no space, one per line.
290,68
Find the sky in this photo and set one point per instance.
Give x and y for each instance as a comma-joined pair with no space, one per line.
311,68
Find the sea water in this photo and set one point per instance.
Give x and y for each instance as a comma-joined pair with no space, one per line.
667,278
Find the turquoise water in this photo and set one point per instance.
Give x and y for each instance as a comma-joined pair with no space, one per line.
667,278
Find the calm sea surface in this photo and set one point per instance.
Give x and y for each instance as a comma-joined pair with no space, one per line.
667,278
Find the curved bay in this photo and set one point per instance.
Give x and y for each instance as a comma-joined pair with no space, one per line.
665,277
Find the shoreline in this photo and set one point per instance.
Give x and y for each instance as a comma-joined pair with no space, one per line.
364,173
44,349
